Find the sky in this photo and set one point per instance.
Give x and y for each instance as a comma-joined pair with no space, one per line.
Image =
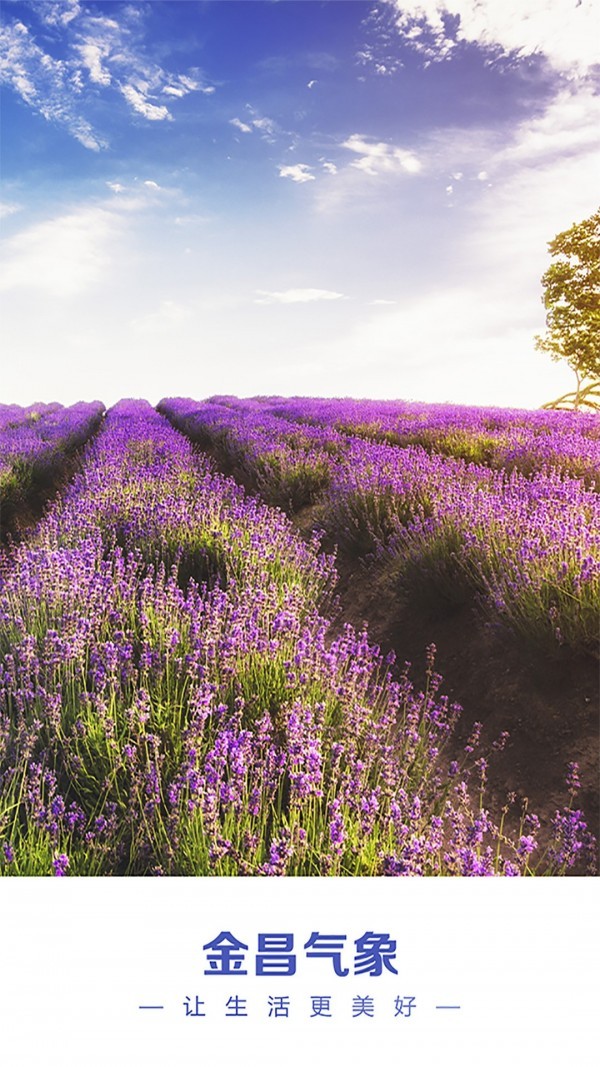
290,197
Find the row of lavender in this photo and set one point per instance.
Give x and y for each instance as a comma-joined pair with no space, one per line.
171,699
502,438
13,415
525,549
36,441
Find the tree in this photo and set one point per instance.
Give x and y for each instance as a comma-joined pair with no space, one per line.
572,301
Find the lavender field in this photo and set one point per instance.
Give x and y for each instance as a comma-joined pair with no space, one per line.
205,613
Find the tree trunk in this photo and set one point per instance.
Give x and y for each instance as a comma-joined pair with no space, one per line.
576,401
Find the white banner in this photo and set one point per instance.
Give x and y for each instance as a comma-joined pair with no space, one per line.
187,972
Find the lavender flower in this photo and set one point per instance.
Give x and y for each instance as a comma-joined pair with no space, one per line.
60,864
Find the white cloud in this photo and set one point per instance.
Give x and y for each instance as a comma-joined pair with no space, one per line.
60,14
565,31
141,194
192,220
61,256
182,85
298,172
191,84
243,126
265,125
7,209
92,55
77,251
142,105
377,157
330,168
296,296
569,126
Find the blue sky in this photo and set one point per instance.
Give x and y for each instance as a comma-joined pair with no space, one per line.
294,197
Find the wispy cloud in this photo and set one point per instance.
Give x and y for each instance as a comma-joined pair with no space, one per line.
98,55
266,127
61,256
47,85
61,13
570,126
182,85
193,220
544,180
567,130
73,252
140,103
360,178
8,208
296,296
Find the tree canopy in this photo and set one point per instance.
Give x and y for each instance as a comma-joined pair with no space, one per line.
572,298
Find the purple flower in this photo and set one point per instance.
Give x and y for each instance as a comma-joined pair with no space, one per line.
527,845
60,864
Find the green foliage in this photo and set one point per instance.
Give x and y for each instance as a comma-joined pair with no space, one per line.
572,298
291,480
